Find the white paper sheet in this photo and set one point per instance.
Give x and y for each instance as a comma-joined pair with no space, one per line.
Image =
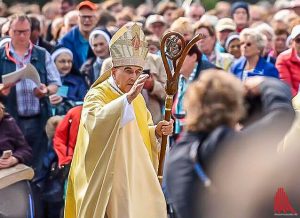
27,72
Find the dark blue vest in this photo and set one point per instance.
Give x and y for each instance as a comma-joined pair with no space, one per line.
38,59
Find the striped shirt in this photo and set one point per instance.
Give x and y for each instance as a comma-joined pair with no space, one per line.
28,103
178,110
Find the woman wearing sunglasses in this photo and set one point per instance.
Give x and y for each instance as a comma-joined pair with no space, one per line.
288,62
252,63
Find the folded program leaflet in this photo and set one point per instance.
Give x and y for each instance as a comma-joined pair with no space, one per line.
27,72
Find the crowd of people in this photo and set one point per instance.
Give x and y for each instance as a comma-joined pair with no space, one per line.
235,87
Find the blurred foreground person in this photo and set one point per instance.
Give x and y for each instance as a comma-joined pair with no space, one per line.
292,137
214,170
113,171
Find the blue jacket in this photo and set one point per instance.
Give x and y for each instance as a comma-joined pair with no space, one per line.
262,68
79,46
76,87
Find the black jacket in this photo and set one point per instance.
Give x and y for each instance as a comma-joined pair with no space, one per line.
45,44
225,156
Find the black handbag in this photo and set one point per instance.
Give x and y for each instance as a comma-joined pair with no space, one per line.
54,185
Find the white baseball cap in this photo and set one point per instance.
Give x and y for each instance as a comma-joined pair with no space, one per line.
295,32
225,24
155,18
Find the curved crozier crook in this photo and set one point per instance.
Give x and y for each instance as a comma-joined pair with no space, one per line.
172,82
175,45
170,48
185,52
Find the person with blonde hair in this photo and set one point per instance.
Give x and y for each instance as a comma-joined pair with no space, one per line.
184,26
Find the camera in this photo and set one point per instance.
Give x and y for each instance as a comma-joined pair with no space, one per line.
146,72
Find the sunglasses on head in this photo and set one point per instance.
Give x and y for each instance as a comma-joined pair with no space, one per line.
297,40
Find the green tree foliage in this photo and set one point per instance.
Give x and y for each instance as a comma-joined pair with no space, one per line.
209,4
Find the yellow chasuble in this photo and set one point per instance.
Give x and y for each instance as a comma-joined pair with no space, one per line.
113,172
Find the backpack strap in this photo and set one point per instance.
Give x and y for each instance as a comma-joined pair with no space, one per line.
197,166
204,148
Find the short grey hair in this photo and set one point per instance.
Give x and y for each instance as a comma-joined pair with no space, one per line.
259,38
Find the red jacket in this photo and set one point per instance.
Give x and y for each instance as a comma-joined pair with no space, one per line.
288,65
64,140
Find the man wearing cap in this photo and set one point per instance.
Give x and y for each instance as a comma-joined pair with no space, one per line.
156,24
113,173
77,40
288,62
224,27
240,15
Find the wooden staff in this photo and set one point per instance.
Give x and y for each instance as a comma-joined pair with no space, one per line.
173,47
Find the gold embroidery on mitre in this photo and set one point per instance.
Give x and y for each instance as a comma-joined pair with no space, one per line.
128,46
136,42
